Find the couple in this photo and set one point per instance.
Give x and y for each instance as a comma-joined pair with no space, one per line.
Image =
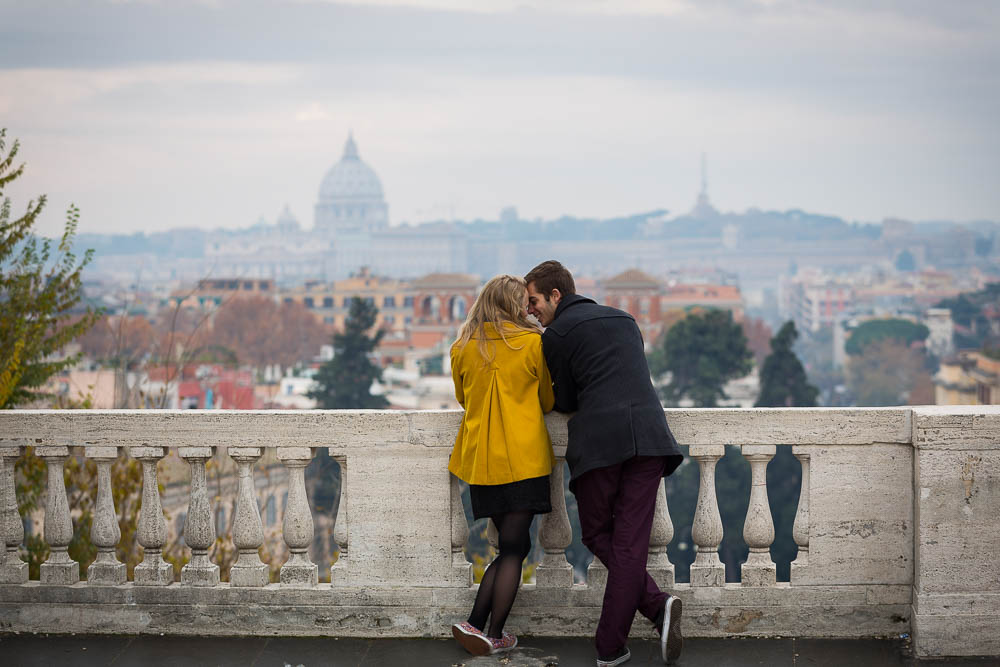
589,361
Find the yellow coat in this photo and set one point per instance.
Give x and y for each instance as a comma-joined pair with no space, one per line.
503,437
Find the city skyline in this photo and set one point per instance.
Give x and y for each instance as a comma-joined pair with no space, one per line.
151,116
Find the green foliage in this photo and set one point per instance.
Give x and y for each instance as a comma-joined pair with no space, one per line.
967,311
432,365
702,352
991,352
345,381
784,483
80,478
963,311
732,481
885,373
783,380
872,331
732,489
40,287
905,261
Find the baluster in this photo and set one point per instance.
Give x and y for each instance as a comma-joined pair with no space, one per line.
297,524
657,563
248,531
341,532
706,529
597,574
199,524
105,532
800,529
59,568
13,570
555,534
492,535
462,568
152,529
758,529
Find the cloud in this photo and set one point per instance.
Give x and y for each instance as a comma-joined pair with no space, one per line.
312,113
158,114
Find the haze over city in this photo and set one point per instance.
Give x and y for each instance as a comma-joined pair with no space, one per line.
155,115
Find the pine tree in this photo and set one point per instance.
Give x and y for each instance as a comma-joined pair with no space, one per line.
702,352
344,382
783,381
40,288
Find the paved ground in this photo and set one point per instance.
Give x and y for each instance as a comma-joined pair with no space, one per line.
59,650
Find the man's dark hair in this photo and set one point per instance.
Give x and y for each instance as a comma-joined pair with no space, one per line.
551,275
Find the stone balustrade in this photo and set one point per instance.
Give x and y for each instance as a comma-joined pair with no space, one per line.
897,526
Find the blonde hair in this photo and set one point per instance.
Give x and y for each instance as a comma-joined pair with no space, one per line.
500,301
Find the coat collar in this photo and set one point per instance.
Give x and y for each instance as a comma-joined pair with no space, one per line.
509,331
569,301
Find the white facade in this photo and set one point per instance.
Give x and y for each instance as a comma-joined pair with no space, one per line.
350,197
940,341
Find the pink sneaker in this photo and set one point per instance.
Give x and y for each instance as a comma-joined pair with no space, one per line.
505,643
472,638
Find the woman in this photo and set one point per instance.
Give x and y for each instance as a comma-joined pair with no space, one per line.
502,450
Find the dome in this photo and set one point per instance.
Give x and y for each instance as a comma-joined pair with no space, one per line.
350,178
287,221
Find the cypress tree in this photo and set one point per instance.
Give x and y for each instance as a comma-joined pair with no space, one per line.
344,382
783,381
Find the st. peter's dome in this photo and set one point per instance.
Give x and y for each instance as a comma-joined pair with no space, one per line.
350,178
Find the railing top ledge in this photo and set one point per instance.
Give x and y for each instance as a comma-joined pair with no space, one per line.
437,428
956,427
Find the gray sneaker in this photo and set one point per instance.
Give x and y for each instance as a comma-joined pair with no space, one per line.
619,658
671,640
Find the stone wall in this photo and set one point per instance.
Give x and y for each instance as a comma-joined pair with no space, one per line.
875,558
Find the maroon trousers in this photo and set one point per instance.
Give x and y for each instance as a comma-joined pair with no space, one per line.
616,506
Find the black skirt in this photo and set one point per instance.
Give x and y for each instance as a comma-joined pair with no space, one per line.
527,494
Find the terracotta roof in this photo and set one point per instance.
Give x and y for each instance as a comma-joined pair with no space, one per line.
632,278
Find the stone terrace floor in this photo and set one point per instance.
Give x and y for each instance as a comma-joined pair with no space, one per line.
62,650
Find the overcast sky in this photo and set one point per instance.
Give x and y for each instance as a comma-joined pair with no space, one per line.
151,115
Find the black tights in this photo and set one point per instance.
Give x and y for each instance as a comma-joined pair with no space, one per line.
502,578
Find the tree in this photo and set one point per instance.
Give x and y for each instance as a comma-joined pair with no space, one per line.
345,381
758,338
118,340
872,331
40,288
701,353
885,373
905,261
261,332
783,381
80,477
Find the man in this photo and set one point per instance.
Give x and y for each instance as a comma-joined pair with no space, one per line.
619,448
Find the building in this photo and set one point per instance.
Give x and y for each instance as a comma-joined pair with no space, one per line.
330,302
969,378
941,339
638,294
350,200
210,293
441,302
814,300
650,301
282,251
703,209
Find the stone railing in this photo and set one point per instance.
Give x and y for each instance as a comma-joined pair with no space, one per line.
898,525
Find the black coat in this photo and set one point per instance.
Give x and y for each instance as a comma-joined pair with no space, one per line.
599,371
